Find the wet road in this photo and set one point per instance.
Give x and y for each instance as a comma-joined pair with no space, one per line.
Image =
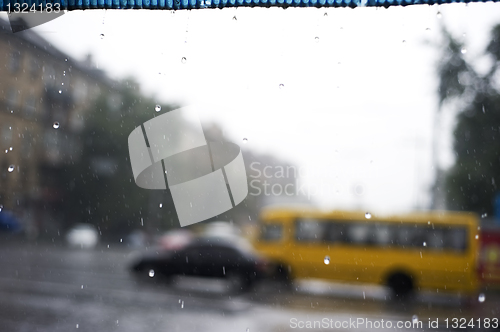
52,288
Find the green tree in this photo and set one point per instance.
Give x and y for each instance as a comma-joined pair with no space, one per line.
101,184
471,182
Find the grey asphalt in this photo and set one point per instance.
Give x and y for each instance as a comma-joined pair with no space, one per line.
49,288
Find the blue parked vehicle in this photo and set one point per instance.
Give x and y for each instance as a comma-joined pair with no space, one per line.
9,223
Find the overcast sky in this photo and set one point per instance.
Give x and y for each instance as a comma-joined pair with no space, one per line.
347,94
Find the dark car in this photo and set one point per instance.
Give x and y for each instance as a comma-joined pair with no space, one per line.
207,257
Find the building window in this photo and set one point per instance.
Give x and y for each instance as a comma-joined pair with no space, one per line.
11,97
26,145
49,75
30,106
15,61
34,68
7,134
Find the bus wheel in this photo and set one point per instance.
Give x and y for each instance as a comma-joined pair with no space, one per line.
400,284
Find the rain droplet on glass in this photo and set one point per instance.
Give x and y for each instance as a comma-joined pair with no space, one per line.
55,125
316,39
235,18
60,91
327,260
102,36
463,50
161,205
484,215
157,108
281,86
481,298
424,244
439,15
11,168
368,215
477,236
183,60
245,140
151,273
414,319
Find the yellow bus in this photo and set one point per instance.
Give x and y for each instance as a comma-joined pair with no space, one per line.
434,251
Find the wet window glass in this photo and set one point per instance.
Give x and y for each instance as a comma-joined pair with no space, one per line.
250,169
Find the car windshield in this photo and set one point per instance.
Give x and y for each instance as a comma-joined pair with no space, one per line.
354,152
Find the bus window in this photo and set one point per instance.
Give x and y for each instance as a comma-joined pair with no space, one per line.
336,232
383,235
309,230
415,235
358,233
271,232
403,236
456,239
436,238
